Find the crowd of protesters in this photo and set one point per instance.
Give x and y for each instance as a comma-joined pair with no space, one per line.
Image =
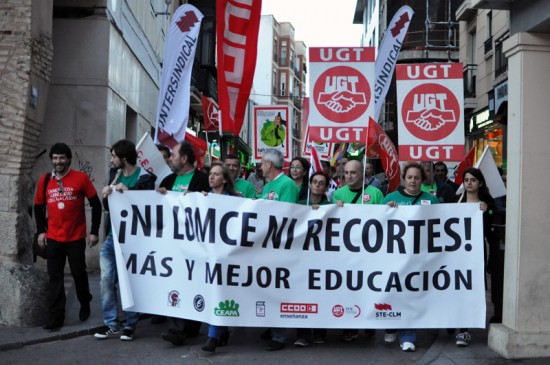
61,193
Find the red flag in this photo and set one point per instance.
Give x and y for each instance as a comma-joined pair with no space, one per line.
314,162
379,145
199,146
463,165
237,26
211,115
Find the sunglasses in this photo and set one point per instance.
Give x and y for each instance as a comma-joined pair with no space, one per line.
60,188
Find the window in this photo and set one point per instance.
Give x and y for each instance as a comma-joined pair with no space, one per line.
283,53
488,45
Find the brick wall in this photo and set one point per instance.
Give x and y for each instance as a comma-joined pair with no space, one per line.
25,64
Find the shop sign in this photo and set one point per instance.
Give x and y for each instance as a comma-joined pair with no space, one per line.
480,120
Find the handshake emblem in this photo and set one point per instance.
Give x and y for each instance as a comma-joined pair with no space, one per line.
430,119
341,101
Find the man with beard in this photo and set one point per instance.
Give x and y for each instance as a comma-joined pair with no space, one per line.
124,175
186,178
61,193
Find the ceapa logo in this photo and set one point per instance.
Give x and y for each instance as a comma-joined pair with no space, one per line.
174,298
198,303
228,308
385,311
299,308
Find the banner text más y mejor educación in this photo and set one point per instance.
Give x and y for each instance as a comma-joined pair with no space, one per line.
240,262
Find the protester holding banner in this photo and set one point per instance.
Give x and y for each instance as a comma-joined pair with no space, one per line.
476,191
409,194
298,172
185,178
279,187
242,186
124,175
318,185
356,193
220,182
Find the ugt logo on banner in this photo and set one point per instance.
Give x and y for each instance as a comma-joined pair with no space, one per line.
430,118
341,93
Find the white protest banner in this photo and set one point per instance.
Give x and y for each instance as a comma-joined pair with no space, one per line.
429,108
341,93
387,55
150,158
272,129
239,262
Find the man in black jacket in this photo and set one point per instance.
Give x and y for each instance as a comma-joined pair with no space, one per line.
442,191
186,178
124,175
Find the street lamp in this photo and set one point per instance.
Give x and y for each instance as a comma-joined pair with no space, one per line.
157,13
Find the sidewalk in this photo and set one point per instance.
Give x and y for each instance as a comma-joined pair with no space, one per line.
434,346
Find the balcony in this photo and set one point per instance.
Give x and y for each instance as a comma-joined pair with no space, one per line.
501,62
488,46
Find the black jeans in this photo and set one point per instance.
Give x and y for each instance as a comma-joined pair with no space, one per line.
56,254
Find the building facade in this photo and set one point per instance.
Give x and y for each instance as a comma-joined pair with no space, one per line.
280,73
482,35
525,327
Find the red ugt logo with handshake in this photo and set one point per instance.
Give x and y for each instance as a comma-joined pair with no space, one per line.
342,94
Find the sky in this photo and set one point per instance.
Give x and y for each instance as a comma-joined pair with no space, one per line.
319,23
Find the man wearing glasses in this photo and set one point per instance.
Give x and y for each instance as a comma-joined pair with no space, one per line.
62,193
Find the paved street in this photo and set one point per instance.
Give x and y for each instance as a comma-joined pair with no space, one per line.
75,344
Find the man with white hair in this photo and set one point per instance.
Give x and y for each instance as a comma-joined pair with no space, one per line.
282,188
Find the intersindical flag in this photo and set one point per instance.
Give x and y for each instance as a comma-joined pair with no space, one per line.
174,95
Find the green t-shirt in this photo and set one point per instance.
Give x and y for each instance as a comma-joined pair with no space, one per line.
430,189
371,195
402,198
181,184
131,180
282,188
245,188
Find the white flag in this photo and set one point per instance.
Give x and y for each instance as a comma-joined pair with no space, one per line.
490,172
387,55
174,94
